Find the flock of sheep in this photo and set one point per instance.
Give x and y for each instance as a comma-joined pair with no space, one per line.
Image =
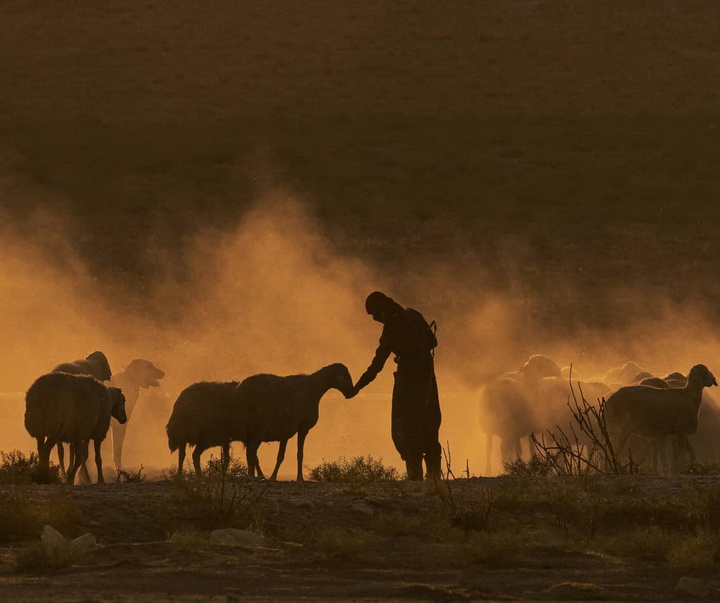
72,405
642,412
75,403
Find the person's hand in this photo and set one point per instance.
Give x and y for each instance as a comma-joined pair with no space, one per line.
352,392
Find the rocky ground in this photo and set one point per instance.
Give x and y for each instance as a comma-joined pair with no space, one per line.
478,539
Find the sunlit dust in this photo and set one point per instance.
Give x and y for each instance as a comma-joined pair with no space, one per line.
274,294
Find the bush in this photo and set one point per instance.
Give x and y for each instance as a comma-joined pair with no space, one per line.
16,468
130,477
356,470
235,468
537,466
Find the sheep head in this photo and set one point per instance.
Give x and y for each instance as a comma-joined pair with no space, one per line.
341,379
145,373
99,359
117,401
701,373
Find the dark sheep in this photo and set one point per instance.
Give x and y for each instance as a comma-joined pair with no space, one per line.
96,365
61,407
202,417
269,408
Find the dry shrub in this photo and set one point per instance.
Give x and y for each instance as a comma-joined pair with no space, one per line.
537,466
223,501
130,477
16,468
360,469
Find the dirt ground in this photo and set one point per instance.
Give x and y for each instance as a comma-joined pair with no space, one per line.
326,542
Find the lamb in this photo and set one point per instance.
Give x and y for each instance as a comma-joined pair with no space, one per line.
139,374
651,412
270,408
202,417
61,407
96,365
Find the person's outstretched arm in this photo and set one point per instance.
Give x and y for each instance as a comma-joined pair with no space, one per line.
378,362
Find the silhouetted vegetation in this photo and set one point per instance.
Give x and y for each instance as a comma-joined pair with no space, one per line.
16,468
357,470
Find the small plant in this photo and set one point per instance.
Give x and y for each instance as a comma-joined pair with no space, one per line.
16,468
234,468
537,466
469,510
130,477
360,469
228,499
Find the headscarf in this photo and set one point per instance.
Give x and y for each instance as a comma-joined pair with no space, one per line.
378,302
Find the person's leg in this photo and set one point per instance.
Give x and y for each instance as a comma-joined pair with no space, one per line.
413,463
433,462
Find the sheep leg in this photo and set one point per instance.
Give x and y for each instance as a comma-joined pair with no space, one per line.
45,447
83,452
253,464
196,459
488,452
506,448
280,459
181,459
118,437
61,458
301,447
74,466
98,461
684,444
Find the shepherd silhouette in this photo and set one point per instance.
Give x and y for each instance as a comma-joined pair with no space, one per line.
416,413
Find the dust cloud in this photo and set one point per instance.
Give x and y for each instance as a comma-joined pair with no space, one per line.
274,293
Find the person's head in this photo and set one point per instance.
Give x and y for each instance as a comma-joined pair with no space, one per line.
381,307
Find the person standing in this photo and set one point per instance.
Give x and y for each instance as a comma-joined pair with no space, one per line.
416,415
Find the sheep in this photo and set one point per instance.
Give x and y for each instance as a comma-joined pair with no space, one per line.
506,406
202,417
705,439
139,374
651,411
505,410
61,407
623,375
96,365
658,382
270,408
